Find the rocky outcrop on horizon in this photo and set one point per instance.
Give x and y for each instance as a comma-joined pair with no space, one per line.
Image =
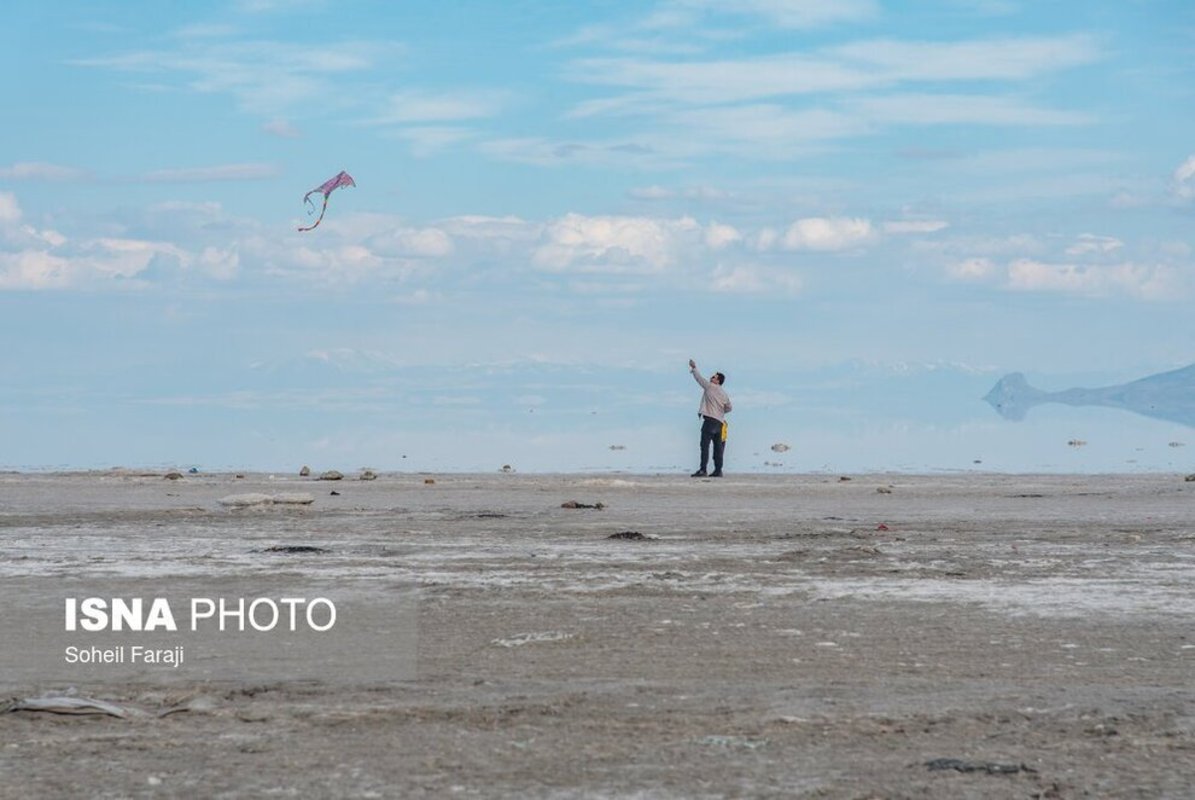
1167,395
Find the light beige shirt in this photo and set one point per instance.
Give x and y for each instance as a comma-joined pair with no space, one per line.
714,400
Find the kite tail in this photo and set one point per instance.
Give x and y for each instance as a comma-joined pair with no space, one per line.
315,224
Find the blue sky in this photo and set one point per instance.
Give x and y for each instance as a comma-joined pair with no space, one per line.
864,212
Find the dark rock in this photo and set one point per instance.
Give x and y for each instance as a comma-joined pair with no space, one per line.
295,548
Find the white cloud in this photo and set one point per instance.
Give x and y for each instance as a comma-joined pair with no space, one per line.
971,269
827,233
33,269
765,129
222,172
329,264
652,193
419,297
47,260
1089,243
22,235
10,210
266,78
1144,282
31,171
724,81
854,67
1010,58
413,243
765,239
281,128
1184,179
657,151
112,257
427,140
904,226
718,236
219,264
444,106
956,109
791,13
509,228
614,244
754,279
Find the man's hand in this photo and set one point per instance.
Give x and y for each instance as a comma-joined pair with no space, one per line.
692,364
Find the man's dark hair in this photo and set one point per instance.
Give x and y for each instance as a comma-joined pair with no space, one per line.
721,378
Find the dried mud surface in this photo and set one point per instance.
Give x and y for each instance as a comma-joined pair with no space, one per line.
888,636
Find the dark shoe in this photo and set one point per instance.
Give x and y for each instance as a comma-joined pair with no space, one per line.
716,473
698,474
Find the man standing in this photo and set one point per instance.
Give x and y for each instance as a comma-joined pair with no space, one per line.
715,405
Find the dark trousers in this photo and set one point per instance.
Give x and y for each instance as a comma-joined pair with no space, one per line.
711,433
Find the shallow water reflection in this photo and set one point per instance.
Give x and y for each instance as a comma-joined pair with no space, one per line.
1167,396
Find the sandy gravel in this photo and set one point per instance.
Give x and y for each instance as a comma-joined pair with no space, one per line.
886,636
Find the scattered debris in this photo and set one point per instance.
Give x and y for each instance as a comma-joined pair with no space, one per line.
738,742
520,639
843,479
173,476
331,475
305,471
1190,477
884,490
635,536
780,447
73,705
368,475
507,468
991,768
881,527
193,470
239,476
295,549
429,481
334,493
260,499
575,504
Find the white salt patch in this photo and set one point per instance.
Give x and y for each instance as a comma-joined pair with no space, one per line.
520,639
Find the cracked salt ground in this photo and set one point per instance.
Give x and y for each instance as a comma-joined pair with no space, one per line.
770,641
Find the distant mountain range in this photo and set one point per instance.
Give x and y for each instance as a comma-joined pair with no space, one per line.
1167,395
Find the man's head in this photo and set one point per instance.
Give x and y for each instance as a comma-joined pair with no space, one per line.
718,378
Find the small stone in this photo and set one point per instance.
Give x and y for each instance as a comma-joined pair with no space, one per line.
429,481
305,471
331,475
173,476
369,475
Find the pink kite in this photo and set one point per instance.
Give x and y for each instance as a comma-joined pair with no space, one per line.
343,179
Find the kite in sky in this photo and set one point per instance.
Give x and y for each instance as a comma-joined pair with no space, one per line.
327,187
